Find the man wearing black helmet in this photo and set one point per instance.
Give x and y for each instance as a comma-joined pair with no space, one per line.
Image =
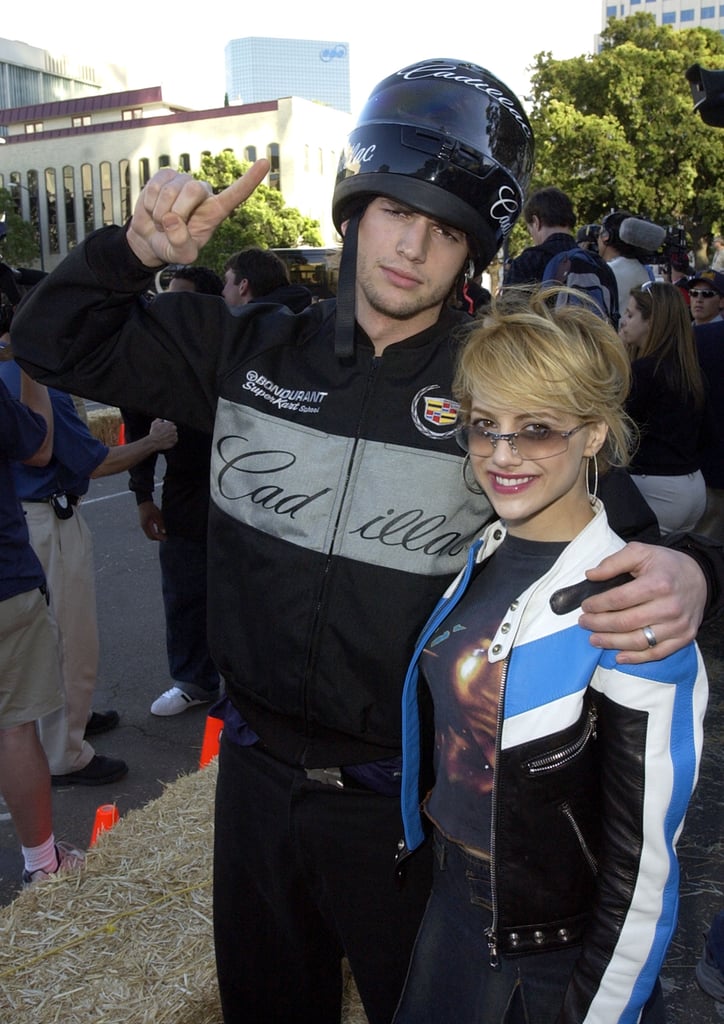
337,515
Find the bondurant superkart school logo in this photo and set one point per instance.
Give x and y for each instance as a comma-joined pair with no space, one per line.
434,415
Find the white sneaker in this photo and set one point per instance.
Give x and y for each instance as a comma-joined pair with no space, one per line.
174,701
69,859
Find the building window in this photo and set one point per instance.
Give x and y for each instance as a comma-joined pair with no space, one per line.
106,193
708,12
272,155
51,204
250,154
134,114
144,170
34,208
687,15
634,2
164,160
124,178
14,190
71,235
668,18
33,127
611,12
86,184
81,121
185,163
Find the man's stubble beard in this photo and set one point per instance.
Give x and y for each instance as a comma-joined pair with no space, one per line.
404,308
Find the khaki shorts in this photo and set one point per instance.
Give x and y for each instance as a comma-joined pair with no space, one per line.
29,660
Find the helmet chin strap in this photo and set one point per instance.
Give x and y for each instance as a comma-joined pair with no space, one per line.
467,278
345,322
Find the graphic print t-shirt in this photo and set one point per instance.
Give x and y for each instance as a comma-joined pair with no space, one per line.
466,690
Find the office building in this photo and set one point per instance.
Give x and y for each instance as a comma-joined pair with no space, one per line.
76,165
677,13
29,75
260,68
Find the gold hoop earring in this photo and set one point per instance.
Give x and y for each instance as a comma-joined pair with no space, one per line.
474,487
592,492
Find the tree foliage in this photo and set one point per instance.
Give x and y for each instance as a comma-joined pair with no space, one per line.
617,130
19,247
263,220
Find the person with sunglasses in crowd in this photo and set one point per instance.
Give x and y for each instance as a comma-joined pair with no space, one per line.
706,297
668,401
561,777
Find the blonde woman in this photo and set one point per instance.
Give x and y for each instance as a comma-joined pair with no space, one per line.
561,777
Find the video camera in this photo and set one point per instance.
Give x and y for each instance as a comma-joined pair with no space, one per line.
675,251
655,244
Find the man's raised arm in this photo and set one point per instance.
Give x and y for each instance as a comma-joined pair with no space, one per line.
88,329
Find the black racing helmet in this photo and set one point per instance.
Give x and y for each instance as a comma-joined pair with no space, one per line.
450,140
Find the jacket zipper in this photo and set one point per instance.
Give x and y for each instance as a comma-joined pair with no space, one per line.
567,810
312,652
558,758
491,932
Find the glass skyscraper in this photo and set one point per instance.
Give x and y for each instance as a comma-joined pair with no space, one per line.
259,68
677,13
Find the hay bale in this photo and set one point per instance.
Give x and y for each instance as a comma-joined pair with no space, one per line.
105,424
128,941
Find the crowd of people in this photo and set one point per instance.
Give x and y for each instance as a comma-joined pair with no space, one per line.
461,691
671,319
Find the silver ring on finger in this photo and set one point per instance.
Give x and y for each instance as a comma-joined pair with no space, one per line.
650,636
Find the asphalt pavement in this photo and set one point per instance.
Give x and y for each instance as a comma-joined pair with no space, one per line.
133,671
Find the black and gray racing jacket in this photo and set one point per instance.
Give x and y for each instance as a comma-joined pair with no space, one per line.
338,514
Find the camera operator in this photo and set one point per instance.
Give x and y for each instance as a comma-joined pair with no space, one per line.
627,253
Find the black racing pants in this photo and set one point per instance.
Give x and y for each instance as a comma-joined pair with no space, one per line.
303,875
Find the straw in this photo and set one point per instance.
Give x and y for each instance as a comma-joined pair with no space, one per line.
129,940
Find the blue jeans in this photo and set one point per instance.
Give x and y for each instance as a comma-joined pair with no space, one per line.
450,980
183,581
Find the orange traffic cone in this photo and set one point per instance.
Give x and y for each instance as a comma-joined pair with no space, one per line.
106,817
210,745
